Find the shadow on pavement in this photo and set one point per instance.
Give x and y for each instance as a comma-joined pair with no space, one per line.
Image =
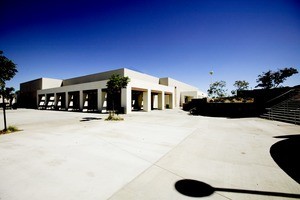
194,188
86,119
286,154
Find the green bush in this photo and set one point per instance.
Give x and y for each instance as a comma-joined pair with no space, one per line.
10,129
114,118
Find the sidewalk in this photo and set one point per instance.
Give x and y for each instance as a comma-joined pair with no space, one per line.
63,155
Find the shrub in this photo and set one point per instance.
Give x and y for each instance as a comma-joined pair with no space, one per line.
10,129
114,118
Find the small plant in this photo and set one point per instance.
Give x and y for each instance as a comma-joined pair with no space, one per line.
10,129
114,118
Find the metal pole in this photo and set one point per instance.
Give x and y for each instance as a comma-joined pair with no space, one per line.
4,114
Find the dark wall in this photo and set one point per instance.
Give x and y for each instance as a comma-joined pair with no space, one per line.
232,110
262,99
265,95
28,93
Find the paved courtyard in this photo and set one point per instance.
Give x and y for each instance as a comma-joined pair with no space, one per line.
66,155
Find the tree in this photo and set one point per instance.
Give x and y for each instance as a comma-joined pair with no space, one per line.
114,86
270,79
265,80
217,89
240,85
283,74
7,72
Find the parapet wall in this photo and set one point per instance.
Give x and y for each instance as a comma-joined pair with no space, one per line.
140,76
93,77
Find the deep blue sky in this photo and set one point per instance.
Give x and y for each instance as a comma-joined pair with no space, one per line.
181,39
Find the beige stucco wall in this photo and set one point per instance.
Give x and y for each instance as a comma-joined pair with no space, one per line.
172,82
77,87
190,95
51,83
93,77
181,88
138,81
140,76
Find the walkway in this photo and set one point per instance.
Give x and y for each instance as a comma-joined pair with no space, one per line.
66,155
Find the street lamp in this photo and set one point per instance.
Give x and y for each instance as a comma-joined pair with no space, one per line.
211,73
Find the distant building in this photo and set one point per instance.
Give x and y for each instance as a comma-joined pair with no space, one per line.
10,103
88,93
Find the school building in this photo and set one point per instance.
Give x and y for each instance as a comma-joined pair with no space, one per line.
89,93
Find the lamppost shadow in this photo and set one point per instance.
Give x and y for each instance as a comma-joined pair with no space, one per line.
86,119
194,188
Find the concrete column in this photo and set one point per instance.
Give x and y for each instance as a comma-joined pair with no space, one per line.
52,101
104,101
176,97
81,100
67,100
161,100
172,100
86,100
155,101
126,99
46,101
147,100
152,101
38,101
99,99
56,99
59,104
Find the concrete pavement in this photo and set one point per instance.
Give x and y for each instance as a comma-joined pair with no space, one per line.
64,155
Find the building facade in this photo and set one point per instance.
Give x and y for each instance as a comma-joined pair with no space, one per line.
88,93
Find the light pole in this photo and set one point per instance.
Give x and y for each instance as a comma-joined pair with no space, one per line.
211,74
